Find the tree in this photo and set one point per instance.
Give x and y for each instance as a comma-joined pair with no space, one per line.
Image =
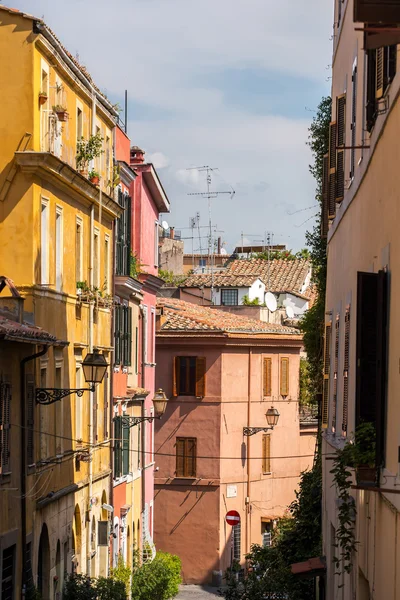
157,580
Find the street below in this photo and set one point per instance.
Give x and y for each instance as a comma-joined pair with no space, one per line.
197,592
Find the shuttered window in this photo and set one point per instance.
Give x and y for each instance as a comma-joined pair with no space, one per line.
335,373
267,377
94,416
266,453
126,436
327,367
117,447
332,171
102,533
5,442
371,353
340,143
123,335
189,376
186,452
346,366
123,236
381,69
105,407
8,574
325,196
353,122
30,419
284,377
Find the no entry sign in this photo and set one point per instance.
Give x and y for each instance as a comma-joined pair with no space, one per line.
232,517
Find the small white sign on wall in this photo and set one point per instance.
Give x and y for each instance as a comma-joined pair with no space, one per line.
231,491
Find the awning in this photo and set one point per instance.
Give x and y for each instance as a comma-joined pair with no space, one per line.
309,568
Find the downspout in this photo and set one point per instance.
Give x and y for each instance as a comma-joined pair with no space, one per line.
248,518
111,427
23,461
143,436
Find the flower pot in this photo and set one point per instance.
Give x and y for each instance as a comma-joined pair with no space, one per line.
95,180
83,172
42,99
366,476
62,116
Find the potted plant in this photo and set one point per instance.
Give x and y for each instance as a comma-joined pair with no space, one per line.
61,112
94,177
364,454
43,97
87,150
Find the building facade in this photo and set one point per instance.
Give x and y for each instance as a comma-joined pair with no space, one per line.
221,373
360,219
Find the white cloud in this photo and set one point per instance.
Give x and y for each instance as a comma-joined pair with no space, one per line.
159,160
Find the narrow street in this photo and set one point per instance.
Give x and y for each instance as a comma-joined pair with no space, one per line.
197,592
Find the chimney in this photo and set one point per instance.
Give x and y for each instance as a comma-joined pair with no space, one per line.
172,232
219,246
137,155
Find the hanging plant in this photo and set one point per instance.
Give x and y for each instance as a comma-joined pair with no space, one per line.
87,150
61,112
43,97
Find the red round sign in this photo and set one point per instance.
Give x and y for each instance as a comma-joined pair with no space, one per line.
232,517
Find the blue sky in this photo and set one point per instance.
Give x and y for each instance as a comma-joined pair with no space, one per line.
226,83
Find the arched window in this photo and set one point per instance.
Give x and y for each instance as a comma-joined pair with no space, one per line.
43,577
57,581
77,539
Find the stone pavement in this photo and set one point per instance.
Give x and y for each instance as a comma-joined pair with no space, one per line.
197,592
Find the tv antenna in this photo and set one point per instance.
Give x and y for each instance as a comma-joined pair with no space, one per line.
210,194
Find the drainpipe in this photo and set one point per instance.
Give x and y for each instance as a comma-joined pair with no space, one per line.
143,440
111,428
248,517
23,461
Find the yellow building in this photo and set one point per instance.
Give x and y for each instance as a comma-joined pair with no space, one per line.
57,245
362,349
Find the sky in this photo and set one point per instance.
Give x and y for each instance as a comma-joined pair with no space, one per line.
230,84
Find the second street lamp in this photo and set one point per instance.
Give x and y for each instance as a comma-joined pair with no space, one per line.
160,401
94,368
272,416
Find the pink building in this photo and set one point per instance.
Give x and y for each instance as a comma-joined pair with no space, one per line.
148,201
222,372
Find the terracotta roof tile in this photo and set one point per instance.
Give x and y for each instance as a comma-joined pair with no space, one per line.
283,275
185,316
11,330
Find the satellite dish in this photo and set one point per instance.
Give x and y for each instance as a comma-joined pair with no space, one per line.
289,312
223,251
165,225
270,301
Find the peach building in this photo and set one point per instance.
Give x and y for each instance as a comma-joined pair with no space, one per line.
361,205
222,372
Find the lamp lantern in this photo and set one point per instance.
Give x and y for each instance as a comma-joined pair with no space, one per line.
94,367
160,403
272,416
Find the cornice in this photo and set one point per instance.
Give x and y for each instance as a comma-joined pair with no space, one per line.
151,283
126,287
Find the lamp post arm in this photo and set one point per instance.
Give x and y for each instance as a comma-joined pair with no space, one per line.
247,431
47,396
128,421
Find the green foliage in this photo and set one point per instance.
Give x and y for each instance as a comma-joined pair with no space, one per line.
170,278
122,573
296,538
32,593
304,382
136,266
247,302
108,588
92,174
282,255
157,580
82,587
87,150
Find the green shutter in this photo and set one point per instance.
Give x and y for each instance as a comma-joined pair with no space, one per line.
126,432
117,335
129,338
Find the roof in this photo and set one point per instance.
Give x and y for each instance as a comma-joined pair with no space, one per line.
185,316
45,29
21,332
310,567
283,275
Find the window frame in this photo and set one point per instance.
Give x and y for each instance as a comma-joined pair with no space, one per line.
227,291
199,383
59,249
184,473
44,241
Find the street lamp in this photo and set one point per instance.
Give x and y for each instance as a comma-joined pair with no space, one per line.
94,368
160,401
272,416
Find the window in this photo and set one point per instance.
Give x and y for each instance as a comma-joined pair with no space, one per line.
156,228
327,369
266,532
59,248
381,69
284,377
266,454
136,349
189,376
237,542
353,121
126,435
123,335
145,333
94,415
98,159
123,235
229,297
44,108
30,418
105,407
267,377
58,412
5,442
96,258
121,448
44,242
152,335
335,373
186,457
8,574
79,249
107,263
79,122
202,262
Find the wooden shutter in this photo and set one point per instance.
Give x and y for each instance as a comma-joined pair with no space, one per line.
284,379
335,374
175,376
102,533
128,336
325,195
117,446
332,172
180,457
200,376
267,374
327,367
117,334
353,122
371,84
340,153
126,435
371,359
346,371
190,458
266,453
380,72
105,406
30,418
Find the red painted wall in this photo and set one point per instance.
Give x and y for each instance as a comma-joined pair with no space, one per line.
122,145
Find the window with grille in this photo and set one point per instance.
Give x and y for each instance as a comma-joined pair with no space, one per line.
189,376
123,335
266,453
8,574
123,236
237,541
229,297
186,451
5,442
